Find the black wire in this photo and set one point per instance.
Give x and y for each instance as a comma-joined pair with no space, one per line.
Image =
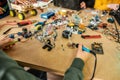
116,30
94,64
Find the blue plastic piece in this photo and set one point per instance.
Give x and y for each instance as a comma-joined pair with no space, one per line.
11,36
26,36
47,15
79,32
19,34
86,49
111,20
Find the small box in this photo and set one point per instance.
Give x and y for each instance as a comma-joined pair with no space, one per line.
47,15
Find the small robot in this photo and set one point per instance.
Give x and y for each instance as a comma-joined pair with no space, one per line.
21,10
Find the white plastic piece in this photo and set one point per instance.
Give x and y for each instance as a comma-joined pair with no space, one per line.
42,4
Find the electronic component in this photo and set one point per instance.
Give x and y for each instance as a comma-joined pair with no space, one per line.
105,12
24,30
102,25
11,36
66,34
111,20
19,33
47,15
97,48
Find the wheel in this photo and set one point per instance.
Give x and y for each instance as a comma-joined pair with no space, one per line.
21,16
12,13
33,12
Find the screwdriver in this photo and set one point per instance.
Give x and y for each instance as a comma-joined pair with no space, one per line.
90,36
23,23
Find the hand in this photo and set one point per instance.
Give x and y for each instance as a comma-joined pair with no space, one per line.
1,10
5,43
82,54
113,6
83,5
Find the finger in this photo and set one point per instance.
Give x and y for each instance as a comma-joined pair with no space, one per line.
11,46
4,38
3,9
6,48
80,47
1,12
8,40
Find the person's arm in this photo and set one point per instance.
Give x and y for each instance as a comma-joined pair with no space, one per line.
4,9
75,70
9,69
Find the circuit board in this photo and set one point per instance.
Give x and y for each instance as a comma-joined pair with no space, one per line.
97,48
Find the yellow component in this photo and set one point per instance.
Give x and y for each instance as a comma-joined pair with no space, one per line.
12,13
33,12
71,24
21,16
11,43
63,12
81,26
38,27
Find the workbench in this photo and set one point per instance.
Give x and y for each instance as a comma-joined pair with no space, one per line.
59,59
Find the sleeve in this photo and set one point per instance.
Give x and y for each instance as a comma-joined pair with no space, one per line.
5,6
3,2
75,71
10,70
101,5
89,3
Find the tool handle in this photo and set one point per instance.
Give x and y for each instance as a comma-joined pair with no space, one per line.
91,36
84,48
